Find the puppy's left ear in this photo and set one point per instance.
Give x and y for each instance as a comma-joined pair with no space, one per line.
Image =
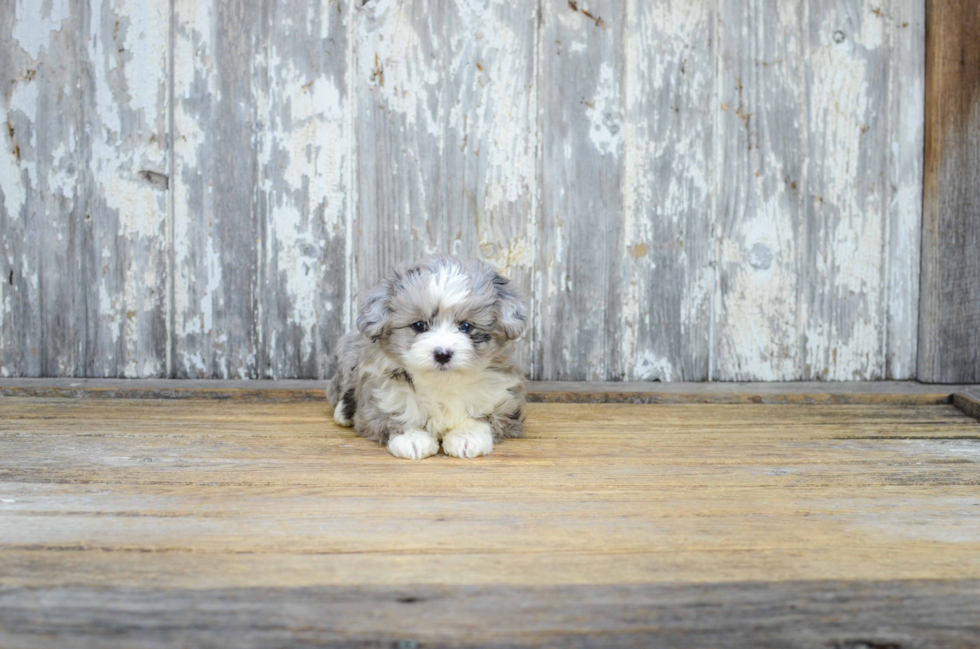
513,311
372,321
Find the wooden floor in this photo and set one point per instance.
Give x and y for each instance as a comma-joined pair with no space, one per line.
237,523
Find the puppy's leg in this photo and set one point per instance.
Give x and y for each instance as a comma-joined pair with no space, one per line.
346,407
408,443
341,388
507,424
470,439
413,444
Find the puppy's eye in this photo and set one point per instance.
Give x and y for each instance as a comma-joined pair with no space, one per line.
465,327
420,327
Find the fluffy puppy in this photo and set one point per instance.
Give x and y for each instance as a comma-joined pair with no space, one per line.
430,361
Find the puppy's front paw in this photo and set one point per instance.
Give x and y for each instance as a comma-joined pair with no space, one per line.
413,445
468,441
340,416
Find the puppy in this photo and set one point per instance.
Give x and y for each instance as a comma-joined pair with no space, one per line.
430,361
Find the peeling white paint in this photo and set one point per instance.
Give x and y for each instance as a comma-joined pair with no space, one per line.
35,22
146,46
63,176
605,113
108,311
651,368
128,51
761,203
304,150
397,66
846,346
193,67
666,184
461,102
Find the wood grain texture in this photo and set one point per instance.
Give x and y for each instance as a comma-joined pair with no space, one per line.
808,614
445,134
216,214
905,141
949,324
579,296
843,317
760,218
20,344
969,402
686,190
123,143
817,249
42,209
86,189
776,524
262,188
668,274
304,190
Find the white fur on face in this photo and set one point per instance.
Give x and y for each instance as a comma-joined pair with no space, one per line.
445,336
449,287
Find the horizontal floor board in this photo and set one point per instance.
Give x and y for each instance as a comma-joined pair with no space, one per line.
795,614
114,513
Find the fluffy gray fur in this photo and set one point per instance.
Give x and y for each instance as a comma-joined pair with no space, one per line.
388,382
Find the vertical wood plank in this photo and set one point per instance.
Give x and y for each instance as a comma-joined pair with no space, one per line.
904,218
762,153
581,242
949,311
216,226
445,134
123,246
304,193
20,318
833,193
40,170
842,275
668,272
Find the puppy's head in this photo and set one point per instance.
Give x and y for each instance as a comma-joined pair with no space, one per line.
443,315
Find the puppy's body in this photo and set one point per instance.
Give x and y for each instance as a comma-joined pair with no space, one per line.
430,361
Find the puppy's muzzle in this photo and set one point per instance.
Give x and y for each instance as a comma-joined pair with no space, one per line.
442,356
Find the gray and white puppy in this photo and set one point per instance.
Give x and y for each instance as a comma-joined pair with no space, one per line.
430,361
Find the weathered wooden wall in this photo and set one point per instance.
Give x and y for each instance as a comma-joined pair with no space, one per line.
686,189
949,329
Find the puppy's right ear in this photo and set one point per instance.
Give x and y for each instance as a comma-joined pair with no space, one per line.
372,321
513,311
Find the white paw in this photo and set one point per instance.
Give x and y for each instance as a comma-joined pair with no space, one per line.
338,414
468,441
413,445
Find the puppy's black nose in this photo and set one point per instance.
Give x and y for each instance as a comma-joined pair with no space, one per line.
442,356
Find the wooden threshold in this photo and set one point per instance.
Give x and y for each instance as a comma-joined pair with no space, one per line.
910,392
964,397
